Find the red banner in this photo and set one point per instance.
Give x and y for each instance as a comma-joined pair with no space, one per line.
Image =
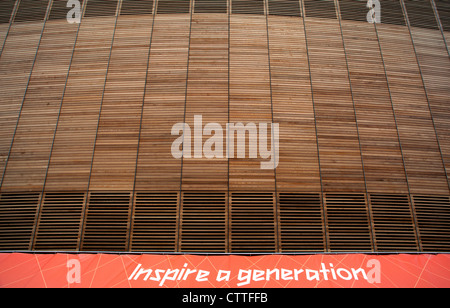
229,271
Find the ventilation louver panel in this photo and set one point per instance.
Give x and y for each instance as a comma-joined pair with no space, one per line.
421,14
6,9
252,222
284,7
31,10
135,7
393,223
301,222
107,222
320,8
17,219
173,6
247,7
443,8
353,10
391,12
155,222
100,8
60,221
347,222
433,218
203,222
208,6
59,9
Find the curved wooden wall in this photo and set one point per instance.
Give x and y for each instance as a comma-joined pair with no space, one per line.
86,112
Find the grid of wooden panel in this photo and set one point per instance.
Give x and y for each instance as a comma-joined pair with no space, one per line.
155,222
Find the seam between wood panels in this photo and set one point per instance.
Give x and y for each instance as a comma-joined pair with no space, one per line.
322,199
369,209
155,3
425,91
11,20
55,130
85,209
25,92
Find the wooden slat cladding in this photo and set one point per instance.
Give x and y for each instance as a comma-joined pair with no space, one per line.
107,222
114,161
207,96
203,226
250,97
391,12
284,7
31,10
59,221
173,6
247,7
433,218
136,7
253,224
301,223
30,152
59,9
208,6
421,14
394,228
353,10
377,129
347,222
298,167
164,104
414,123
97,8
443,9
319,8
71,159
6,10
17,220
339,153
155,222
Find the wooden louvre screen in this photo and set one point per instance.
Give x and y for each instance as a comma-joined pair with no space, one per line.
319,8
421,14
31,10
433,219
6,9
247,7
353,10
136,7
107,221
284,7
155,222
393,223
253,222
443,9
208,6
59,221
59,9
203,222
173,6
17,220
97,8
391,13
347,222
301,222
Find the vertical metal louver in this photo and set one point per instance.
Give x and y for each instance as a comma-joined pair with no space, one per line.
173,6
100,8
253,222
421,14
17,219
247,7
31,10
393,223
136,7
353,10
155,222
284,7
6,9
203,222
301,222
347,222
320,8
107,222
208,6
433,219
60,221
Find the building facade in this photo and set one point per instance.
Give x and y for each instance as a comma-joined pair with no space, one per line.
87,109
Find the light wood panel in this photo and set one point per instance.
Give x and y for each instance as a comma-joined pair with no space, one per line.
164,104
114,162
298,168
